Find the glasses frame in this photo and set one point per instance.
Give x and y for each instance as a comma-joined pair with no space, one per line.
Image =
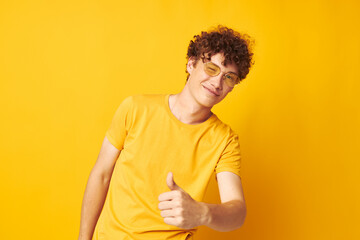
224,77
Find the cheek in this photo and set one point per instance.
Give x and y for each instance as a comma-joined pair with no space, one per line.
227,90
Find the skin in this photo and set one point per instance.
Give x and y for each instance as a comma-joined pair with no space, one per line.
201,92
192,106
178,208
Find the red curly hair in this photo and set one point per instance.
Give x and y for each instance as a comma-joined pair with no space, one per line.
234,46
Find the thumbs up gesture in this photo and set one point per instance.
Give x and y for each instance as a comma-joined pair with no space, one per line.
178,208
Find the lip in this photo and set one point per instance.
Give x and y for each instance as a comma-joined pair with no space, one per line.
211,91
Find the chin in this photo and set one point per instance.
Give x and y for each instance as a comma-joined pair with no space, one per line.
208,103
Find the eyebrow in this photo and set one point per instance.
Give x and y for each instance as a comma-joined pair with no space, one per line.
220,68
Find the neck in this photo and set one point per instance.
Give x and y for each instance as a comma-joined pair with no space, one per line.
187,110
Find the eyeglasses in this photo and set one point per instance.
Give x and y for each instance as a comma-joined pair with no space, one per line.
231,79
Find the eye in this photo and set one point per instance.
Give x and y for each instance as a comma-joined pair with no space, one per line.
211,69
230,78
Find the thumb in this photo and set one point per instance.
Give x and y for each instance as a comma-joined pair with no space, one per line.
171,183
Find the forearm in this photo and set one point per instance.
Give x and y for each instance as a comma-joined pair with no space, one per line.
94,197
225,217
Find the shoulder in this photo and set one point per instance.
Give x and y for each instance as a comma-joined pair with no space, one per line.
222,127
140,106
223,131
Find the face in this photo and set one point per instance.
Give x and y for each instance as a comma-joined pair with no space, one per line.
205,89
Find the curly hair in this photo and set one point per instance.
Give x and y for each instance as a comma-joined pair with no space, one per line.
236,48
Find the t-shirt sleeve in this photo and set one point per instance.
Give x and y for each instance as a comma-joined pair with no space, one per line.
120,124
230,159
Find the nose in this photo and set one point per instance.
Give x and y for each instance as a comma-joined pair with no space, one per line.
216,81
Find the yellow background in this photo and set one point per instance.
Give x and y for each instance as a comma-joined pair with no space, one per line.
65,66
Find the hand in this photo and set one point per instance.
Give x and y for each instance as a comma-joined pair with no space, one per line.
178,208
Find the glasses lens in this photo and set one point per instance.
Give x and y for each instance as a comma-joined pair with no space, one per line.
211,69
231,79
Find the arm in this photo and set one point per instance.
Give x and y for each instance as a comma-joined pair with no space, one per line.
230,214
178,208
96,189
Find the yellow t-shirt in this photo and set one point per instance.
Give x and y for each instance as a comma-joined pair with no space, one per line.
154,142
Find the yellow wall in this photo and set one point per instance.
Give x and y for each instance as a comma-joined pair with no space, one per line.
66,65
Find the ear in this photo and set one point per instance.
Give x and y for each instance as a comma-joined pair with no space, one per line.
190,65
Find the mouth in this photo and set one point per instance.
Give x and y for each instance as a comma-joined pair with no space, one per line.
212,92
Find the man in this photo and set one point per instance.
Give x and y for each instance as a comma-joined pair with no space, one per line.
160,151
